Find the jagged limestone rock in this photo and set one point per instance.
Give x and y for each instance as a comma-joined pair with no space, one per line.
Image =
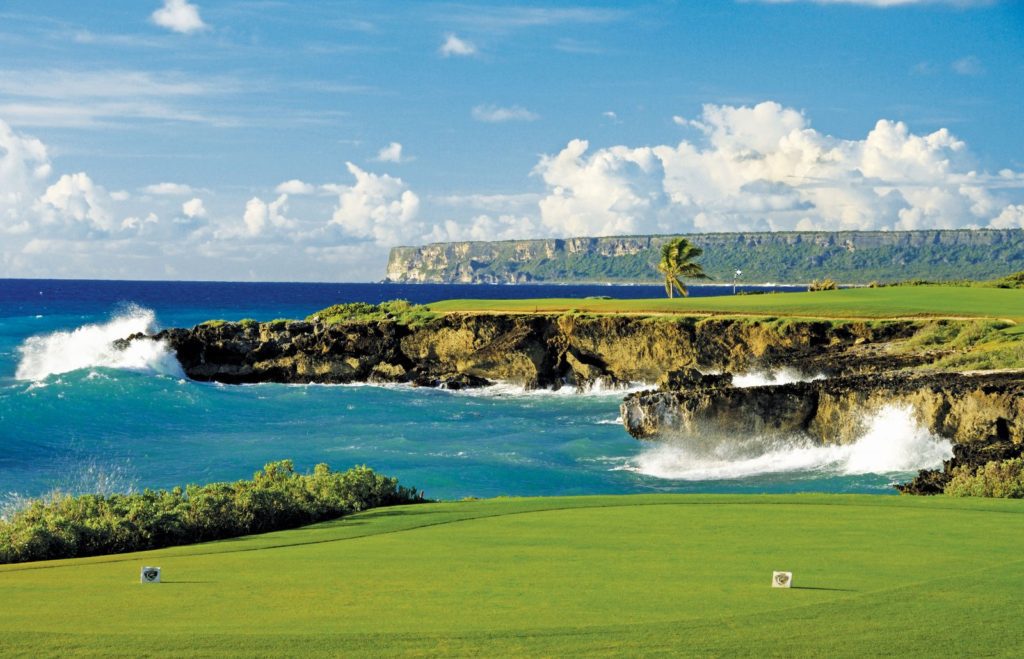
964,408
532,350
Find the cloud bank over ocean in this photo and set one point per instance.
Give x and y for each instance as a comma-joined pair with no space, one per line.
761,167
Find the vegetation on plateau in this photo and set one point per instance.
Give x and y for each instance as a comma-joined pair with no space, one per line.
677,264
399,311
650,575
62,525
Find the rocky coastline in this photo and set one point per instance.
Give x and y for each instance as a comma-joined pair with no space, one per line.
864,368
982,414
536,351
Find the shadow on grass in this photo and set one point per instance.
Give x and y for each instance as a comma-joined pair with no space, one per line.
840,590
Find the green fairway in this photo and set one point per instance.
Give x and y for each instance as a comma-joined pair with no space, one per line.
889,302
633,575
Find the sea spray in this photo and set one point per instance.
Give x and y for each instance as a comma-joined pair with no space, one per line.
893,443
92,346
597,389
781,376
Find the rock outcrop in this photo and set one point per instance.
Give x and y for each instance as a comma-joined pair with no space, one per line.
982,413
532,350
965,408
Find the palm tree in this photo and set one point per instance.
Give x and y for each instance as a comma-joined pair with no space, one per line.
677,264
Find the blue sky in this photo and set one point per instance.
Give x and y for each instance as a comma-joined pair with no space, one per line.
282,140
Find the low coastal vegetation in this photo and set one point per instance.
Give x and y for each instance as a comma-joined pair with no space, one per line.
399,311
63,525
827,284
998,479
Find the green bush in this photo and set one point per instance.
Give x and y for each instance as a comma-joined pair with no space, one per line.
65,526
400,311
1016,280
827,284
1001,480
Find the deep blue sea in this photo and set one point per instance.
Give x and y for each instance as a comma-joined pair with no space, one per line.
78,416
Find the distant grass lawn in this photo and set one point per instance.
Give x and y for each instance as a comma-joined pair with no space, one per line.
889,302
634,575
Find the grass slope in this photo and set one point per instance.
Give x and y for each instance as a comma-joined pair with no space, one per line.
635,575
889,302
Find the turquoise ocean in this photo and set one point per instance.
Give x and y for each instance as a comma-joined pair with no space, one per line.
78,416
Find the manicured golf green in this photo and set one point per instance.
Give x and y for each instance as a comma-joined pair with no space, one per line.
629,575
889,302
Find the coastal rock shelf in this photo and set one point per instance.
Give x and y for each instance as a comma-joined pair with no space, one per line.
961,407
982,413
869,366
531,350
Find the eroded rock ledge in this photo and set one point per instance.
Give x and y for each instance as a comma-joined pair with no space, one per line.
981,413
532,350
964,408
958,406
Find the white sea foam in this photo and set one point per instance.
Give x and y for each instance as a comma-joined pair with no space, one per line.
92,346
507,390
781,376
893,443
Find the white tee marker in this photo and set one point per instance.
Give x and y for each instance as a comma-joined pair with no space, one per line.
150,575
782,579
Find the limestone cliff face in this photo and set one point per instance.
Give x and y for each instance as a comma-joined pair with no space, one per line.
533,350
963,408
785,257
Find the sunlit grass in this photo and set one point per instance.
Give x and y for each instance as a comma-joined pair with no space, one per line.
630,575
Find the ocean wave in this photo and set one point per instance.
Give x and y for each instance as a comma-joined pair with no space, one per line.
92,346
508,390
893,443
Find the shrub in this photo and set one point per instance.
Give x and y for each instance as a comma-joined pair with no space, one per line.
1002,480
1016,280
827,284
400,311
65,526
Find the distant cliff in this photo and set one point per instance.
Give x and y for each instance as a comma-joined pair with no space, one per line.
782,257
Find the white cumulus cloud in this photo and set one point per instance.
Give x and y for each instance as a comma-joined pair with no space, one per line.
74,200
260,217
194,208
179,16
377,207
295,187
454,46
24,168
765,168
487,227
497,114
1012,217
614,191
391,153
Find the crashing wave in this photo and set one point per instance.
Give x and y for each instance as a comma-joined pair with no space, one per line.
781,376
893,443
93,346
